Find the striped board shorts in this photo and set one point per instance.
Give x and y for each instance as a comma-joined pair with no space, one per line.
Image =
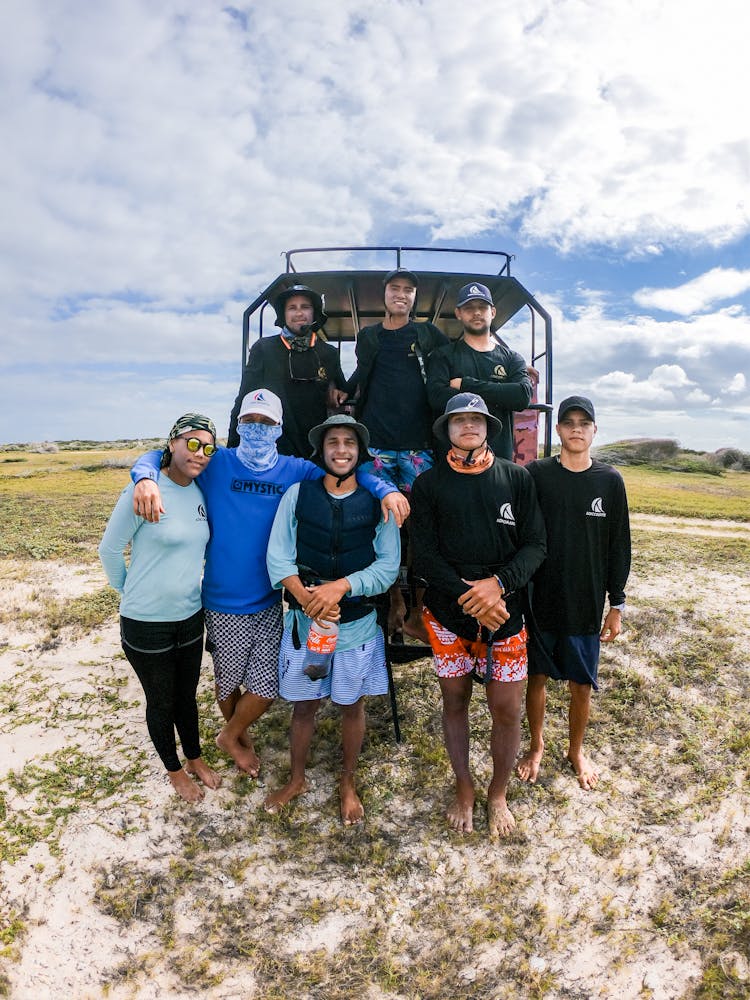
354,673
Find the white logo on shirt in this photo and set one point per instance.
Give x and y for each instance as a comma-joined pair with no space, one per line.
597,509
506,515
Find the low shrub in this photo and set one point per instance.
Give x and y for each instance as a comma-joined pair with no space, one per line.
732,458
638,451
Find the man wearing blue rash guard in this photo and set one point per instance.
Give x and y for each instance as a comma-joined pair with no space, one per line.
243,487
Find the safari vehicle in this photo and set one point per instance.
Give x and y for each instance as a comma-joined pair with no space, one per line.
352,289
353,298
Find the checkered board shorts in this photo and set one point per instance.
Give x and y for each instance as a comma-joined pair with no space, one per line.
245,651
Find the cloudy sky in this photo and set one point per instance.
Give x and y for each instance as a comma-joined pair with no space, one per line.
158,157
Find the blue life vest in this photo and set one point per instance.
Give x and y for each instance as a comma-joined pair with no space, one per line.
336,537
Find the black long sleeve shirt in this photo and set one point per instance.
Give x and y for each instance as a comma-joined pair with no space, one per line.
588,545
499,376
468,527
300,379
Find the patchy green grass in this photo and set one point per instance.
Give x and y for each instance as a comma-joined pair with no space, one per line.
55,509
55,505
719,916
697,553
653,491
53,789
404,907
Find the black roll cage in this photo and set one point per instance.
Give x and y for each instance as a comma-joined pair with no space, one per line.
354,298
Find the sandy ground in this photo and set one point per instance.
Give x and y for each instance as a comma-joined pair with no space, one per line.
71,948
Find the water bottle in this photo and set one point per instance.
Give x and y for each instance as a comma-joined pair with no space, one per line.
321,643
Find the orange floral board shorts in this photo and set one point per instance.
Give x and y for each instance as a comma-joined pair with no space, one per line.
457,657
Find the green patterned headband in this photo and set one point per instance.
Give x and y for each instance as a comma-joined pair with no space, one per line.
187,422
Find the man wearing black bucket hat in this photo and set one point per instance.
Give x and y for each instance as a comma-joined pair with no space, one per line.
298,366
585,510
478,537
480,362
331,551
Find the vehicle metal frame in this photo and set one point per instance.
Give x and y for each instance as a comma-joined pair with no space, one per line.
354,298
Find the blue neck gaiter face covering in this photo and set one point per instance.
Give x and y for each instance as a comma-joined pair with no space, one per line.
257,448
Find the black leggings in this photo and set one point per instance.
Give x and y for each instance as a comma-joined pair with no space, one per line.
166,656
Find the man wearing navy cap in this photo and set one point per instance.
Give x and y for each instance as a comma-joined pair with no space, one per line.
588,558
480,362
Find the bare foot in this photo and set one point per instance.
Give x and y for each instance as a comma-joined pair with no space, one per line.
245,740
588,776
415,626
528,766
203,772
276,801
461,810
184,785
352,810
499,817
244,757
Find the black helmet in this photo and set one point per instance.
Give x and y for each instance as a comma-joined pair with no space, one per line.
319,315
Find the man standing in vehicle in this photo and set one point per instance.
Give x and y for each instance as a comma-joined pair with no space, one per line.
390,383
391,400
478,538
588,557
298,366
480,362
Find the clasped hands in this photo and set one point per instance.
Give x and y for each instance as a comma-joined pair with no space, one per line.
324,600
484,602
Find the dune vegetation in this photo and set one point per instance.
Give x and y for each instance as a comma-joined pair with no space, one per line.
111,886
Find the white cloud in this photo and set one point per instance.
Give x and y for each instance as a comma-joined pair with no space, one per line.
694,296
697,396
737,385
158,158
624,387
669,377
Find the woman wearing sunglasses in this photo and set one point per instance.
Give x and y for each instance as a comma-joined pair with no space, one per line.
161,619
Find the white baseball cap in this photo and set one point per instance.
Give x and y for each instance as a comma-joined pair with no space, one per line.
263,402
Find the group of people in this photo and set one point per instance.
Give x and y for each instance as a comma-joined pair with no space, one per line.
515,563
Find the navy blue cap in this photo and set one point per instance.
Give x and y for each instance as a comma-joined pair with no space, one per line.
473,291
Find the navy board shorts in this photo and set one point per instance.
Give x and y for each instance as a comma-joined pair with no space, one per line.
565,657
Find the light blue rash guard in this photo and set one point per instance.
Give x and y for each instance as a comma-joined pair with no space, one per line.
163,580
241,505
